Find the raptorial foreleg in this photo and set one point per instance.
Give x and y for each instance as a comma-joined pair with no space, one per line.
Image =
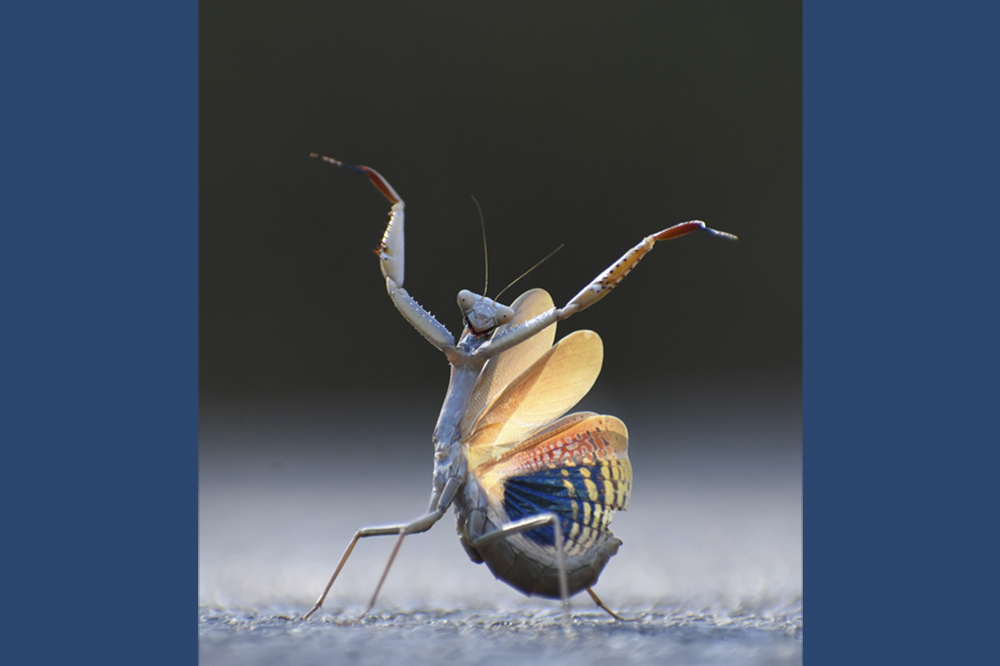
391,260
598,288
616,272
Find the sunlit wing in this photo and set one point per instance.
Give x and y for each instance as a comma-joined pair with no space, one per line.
538,396
577,468
503,369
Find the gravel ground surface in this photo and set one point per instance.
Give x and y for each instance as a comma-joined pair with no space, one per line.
461,637
710,571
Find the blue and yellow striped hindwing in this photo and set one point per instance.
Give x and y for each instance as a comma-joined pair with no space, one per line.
577,468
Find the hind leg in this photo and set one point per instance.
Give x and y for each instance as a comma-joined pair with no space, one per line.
600,604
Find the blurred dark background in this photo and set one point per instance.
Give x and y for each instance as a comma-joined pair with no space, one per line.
584,123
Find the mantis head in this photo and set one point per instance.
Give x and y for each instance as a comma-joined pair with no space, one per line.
482,314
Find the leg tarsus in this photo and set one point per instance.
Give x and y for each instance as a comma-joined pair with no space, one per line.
684,228
600,604
374,176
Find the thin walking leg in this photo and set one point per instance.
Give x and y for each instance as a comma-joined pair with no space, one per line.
531,523
388,565
421,524
600,604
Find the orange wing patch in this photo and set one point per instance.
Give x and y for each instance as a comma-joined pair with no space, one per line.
596,444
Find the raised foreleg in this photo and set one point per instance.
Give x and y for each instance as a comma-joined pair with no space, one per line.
391,259
597,289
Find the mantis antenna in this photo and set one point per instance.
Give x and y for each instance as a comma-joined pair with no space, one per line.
486,255
544,259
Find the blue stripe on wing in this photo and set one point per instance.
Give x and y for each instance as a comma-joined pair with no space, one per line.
584,497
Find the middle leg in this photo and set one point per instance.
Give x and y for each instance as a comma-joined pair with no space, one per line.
421,524
531,523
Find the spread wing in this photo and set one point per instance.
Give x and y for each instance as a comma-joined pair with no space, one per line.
501,370
577,468
538,396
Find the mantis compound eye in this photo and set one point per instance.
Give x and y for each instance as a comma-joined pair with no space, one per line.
466,299
504,315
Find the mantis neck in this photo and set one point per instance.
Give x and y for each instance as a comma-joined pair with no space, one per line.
449,458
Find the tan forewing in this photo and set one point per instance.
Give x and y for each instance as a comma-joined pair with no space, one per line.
538,396
501,370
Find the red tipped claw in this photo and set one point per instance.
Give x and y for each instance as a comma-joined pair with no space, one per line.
372,174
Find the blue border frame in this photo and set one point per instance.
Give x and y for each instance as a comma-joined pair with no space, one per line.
101,315
900,254
100,274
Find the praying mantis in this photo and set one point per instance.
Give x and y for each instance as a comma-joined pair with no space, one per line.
533,491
